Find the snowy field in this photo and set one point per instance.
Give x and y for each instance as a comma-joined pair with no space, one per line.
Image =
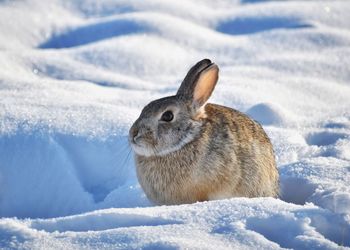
74,75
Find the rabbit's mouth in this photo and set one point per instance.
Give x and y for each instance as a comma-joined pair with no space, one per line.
142,141
140,146
142,149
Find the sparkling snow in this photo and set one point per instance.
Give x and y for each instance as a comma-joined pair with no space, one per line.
76,74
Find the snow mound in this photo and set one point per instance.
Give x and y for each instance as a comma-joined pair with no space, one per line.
268,114
249,223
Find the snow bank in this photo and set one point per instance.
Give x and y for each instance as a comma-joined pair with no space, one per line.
263,223
75,75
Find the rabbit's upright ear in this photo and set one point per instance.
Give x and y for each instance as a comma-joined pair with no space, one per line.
199,83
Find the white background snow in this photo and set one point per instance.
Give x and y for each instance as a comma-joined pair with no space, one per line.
75,74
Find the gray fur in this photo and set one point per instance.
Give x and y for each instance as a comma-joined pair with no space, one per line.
205,153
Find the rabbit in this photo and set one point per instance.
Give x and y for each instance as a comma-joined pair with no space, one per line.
189,151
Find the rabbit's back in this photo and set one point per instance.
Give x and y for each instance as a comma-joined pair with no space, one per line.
246,148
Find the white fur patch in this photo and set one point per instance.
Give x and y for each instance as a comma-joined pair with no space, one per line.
144,151
175,147
148,151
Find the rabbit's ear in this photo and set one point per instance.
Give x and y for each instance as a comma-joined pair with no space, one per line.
199,83
191,77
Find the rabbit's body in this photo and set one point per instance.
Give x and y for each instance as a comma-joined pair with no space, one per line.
194,173
204,152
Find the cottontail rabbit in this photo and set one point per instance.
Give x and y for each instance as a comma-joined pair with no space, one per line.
188,151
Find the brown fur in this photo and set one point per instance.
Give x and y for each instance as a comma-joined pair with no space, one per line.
195,173
227,155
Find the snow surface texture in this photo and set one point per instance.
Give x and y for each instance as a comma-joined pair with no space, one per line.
75,74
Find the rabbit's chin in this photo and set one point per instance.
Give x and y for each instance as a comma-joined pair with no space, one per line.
143,150
147,151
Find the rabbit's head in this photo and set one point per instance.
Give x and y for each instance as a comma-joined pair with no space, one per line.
167,124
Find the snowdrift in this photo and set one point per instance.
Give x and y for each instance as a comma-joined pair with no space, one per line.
74,76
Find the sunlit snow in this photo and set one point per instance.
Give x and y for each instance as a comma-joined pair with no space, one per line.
74,75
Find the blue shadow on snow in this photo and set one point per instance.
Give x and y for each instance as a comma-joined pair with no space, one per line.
249,25
92,33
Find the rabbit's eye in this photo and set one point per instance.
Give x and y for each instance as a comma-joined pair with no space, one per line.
167,116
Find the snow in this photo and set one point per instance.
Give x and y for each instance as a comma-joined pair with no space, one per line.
75,75
237,223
